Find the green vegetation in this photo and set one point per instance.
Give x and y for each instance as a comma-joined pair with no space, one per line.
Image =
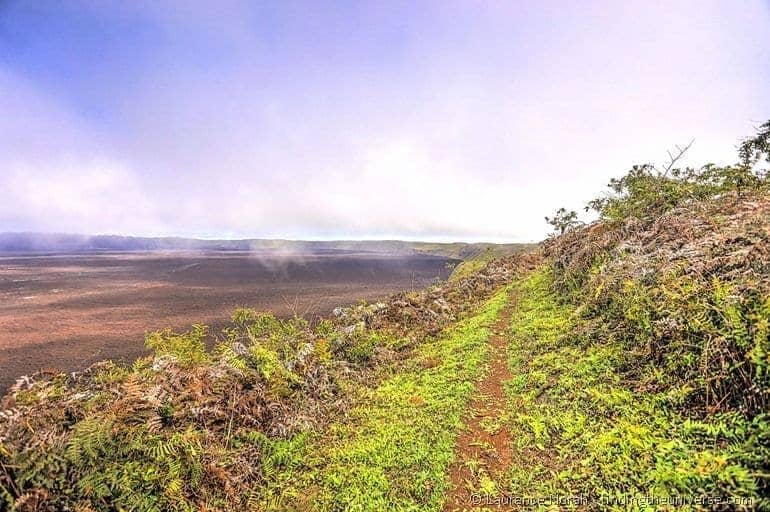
178,430
588,421
188,428
643,349
474,251
472,264
476,256
392,450
467,267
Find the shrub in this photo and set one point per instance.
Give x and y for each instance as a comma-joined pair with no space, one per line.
676,266
188,348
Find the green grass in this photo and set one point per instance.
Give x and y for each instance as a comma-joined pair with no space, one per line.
471,251
476,260
393,449
466,268
582,425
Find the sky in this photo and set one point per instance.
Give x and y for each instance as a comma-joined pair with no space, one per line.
424,120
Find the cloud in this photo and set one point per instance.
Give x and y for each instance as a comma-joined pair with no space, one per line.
443,120
73,192
57,174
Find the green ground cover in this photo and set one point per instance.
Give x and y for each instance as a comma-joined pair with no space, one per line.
392,451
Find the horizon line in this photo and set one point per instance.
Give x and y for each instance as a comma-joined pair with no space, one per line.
225,238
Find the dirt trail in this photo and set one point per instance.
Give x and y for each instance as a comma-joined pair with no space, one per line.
484,446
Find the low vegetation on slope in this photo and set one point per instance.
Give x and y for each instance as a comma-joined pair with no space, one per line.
595,424
476,256
187,428
640,351
390,451
662,383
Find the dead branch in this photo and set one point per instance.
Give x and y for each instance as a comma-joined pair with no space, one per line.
673,159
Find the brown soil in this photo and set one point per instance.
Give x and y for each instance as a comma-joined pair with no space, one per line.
492,450
66,312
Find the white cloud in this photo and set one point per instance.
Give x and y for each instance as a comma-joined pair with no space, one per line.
459,121
101,194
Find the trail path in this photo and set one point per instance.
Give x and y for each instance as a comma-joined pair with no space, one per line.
484,446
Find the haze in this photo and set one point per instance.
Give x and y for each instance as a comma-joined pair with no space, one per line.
426,120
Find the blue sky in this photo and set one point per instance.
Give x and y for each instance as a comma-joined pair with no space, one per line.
430,120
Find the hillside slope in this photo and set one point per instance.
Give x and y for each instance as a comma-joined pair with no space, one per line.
189,428
638,354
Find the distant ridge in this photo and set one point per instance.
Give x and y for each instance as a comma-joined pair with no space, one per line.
57,243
